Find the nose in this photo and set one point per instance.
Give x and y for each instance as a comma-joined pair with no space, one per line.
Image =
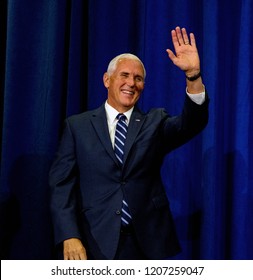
130,81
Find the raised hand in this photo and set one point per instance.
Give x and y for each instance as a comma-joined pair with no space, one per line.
186,55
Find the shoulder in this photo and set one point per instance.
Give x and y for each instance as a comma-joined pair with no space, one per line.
152,111
85,116
154,115
157,113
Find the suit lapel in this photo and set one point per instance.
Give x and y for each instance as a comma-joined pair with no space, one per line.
99,122
136,122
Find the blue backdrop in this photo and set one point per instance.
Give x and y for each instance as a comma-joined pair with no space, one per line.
53,54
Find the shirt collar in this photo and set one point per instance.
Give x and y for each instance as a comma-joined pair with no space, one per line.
111,113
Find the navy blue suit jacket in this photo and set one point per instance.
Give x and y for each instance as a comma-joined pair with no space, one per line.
88,184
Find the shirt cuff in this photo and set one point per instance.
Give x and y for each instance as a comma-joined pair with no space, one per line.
198,98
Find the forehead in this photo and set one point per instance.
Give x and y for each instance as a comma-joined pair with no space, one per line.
129,66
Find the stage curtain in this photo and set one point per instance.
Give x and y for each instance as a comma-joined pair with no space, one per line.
53,55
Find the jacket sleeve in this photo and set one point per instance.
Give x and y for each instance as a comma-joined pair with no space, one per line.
178,130
63,177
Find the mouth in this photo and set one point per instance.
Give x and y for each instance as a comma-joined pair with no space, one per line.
128,92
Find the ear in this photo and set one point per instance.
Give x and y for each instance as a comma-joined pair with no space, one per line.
106,80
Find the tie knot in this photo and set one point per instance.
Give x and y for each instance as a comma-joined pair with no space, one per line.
121,117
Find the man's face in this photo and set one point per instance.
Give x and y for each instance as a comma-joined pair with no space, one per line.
125,84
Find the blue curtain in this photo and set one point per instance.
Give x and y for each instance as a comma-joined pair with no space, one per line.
53,54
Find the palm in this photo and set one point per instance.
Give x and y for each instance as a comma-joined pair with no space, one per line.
186,54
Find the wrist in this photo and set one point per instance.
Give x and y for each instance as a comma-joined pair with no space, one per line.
193,77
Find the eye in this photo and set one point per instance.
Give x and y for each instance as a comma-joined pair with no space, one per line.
138,79
124,75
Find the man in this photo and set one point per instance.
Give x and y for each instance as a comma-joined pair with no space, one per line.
104,163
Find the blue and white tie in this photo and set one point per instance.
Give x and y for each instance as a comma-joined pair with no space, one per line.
120,138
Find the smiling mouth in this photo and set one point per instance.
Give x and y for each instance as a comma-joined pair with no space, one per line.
128,92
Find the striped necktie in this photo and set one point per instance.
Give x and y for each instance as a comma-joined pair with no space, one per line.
120,138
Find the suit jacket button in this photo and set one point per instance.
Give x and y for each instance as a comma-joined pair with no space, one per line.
118,212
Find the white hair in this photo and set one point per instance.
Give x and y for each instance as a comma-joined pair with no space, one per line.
113,63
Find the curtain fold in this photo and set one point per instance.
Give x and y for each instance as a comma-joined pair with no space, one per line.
44,83
53,55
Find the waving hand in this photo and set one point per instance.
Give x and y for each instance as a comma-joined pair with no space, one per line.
186,54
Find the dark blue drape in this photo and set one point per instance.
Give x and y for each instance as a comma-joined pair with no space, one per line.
53,54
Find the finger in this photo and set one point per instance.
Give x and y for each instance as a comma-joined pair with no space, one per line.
83,256
185,37
193,41
67,257
179,35
174,38
171,54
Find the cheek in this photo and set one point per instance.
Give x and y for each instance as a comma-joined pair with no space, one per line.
137,96
141,88
140,91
